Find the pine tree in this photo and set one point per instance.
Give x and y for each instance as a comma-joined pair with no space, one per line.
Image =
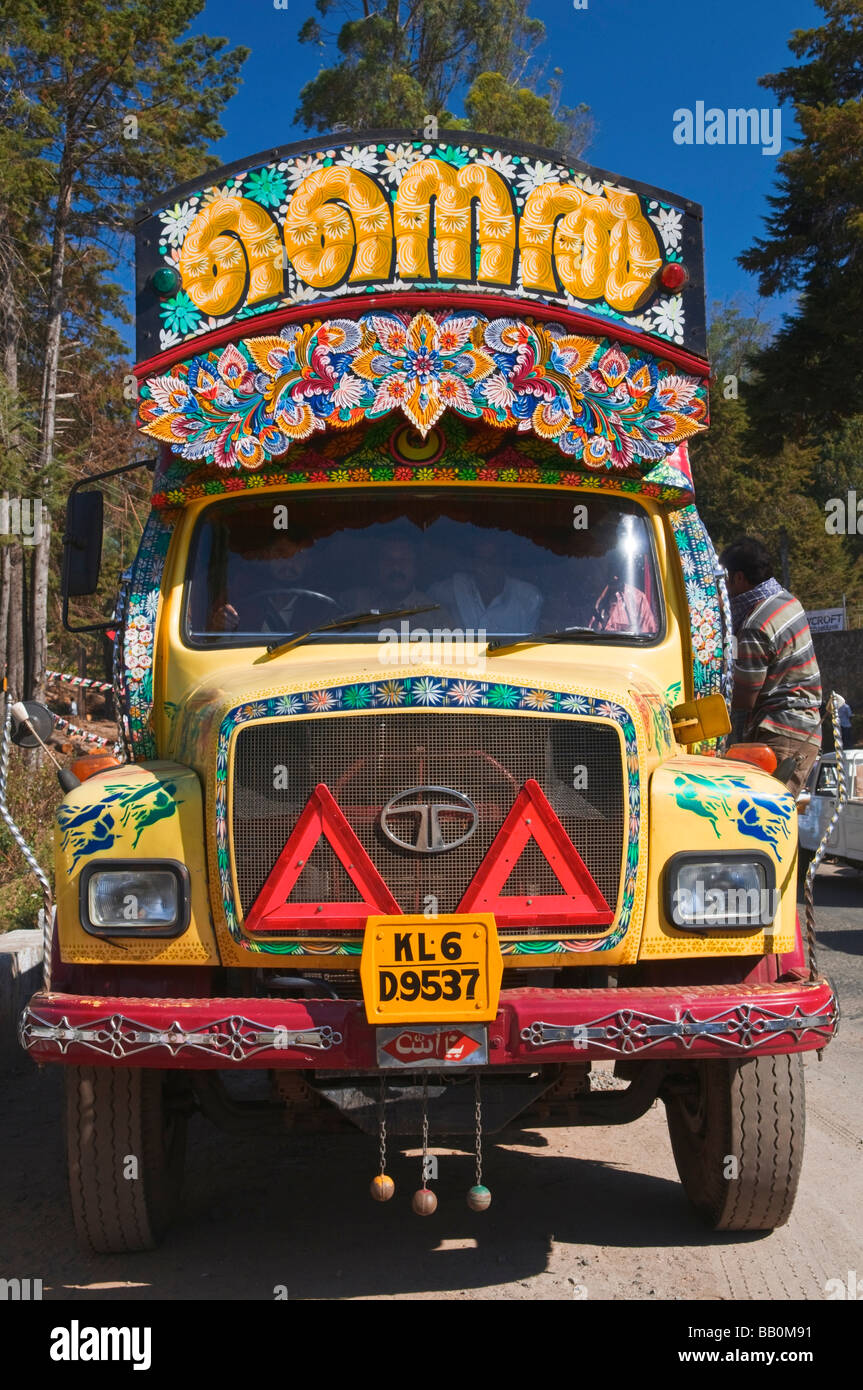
744,489
406,60
128,104
811,375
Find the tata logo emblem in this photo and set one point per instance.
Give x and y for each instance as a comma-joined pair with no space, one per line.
423,819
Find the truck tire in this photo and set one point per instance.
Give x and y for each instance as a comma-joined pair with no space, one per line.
754,1112
114,1114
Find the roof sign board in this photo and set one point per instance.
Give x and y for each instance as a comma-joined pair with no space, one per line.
384,214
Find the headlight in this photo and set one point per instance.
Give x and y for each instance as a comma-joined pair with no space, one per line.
135,898
722,890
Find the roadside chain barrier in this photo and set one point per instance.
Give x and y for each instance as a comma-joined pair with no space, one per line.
79,680
46,913
88,684
83,734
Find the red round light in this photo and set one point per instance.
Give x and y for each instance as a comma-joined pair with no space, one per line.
673,275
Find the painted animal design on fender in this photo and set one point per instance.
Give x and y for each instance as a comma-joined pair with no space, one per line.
86,830
145,805
762,817
89,829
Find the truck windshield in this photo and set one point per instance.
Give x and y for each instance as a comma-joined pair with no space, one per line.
496,564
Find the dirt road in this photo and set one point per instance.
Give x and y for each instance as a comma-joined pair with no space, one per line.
595,1213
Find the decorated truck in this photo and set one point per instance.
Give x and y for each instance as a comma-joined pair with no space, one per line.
423,806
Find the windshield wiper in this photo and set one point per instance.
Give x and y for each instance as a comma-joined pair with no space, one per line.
276,648
534,639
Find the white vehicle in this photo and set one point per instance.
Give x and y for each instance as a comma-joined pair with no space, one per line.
815,807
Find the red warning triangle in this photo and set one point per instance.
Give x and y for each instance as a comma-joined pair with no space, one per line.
579,903
321,816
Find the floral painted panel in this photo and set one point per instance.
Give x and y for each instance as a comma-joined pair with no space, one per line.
245,404
138,632
710,623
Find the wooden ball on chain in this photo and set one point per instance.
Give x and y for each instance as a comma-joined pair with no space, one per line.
382,1187
479,1198
424,1202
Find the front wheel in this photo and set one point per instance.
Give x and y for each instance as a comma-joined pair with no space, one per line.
737,1135
126,1136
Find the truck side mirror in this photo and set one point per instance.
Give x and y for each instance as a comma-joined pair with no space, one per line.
82,544
697,720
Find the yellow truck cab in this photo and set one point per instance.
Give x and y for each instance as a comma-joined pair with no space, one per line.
423,667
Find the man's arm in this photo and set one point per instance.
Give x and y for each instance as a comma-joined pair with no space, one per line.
750,669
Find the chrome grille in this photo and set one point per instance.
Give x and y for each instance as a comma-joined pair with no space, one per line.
365,760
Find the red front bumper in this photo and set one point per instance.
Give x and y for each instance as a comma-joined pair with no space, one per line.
532,1026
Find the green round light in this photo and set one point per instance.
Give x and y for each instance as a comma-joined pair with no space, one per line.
165,280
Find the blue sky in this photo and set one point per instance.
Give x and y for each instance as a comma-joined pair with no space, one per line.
633,64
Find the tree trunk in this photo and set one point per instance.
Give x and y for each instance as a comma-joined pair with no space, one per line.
12,565
11,617
42,551
4,604
39,609
10,315
15,641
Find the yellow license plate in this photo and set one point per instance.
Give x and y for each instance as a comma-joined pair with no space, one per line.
418,969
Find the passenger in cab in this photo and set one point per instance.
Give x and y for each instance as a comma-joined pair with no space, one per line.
621,604
623,608
267,584
486,596
394,582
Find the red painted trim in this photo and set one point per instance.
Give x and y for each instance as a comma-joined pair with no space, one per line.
321,816
354,305
579,902
356,1052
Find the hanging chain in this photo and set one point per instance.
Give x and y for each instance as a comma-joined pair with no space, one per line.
477,1107
382,1127
425,1129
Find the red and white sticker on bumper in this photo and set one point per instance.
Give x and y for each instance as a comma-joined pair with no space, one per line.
453,1045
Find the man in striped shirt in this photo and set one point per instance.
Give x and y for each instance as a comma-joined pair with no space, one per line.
777,684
